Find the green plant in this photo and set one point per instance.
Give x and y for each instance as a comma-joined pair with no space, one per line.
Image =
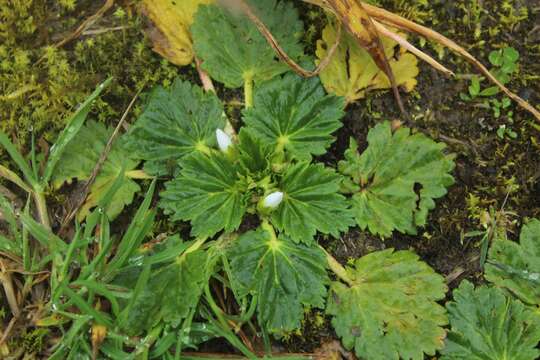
36,183
257,199
250,60
504,64
487,324
516,267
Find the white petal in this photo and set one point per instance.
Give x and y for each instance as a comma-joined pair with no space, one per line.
273,200
224,140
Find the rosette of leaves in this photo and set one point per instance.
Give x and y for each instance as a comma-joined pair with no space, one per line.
232,49
516,266
487,324
215,189
386,308
79,159
175,122
284,276
395,180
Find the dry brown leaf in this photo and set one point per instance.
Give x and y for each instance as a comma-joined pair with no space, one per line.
169,28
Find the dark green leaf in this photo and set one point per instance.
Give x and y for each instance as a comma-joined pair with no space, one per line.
170,293
311,203
175,122
233,50
396,179
516,267
295,115
283,275
253,155
487,325
208,192
389,310
79,159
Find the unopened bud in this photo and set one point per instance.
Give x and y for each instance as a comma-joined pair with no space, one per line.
273,200
224,140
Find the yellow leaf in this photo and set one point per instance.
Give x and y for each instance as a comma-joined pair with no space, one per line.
352,71
169,28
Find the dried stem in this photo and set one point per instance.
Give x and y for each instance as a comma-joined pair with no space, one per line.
244,7
407,25
414,50
98,166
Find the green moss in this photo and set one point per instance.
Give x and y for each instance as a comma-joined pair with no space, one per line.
40,85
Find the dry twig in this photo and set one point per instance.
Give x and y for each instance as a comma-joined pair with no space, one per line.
97,168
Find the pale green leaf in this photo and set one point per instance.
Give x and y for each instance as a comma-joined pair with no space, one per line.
283,275
232,49
80,157
487,325
389,310
295,115
311,203
208,192
175,122
396,179
516,267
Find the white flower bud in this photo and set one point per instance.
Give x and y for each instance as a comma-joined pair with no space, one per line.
224,140
273,200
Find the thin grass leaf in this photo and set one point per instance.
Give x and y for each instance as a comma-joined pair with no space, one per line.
13,245
14,178
18,159
101,290
139,287
74,125
46,238
85,308
140,225
65,343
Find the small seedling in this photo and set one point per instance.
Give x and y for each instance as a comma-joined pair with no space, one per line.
504,65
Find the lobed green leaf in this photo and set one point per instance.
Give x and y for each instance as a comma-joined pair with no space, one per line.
388,310
79,159
176,122
487,325
295,115
516,267
396,179
311,203
208,192
232,49
168,294
284,276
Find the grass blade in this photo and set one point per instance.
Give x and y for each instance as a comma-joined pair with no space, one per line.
14,178
74,125
46,238
18,159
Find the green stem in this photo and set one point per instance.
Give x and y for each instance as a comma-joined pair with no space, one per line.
337,268
41,207
248,91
